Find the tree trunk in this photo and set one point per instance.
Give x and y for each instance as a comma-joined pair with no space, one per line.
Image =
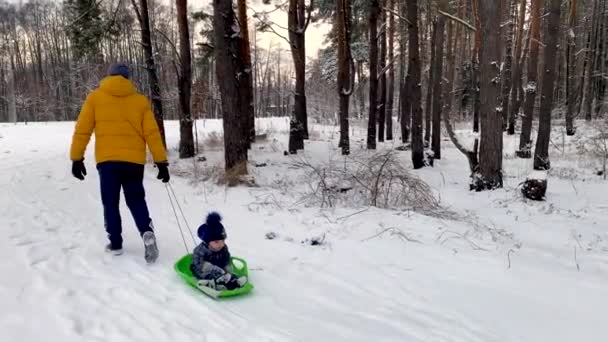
598,65
506,74
541,153
12,100
390,96
345,86
298,22
516,89
382,75
448,89
437,81
414,74
361,88
590,61
144,22
571,70
490,154
227,48
428,110
246,78
475,64
525,144
186,137
404,108
373,72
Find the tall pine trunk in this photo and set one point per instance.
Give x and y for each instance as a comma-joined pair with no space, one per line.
414,75
430,98
186,140
490,154
506,74
437,81
227,46
541,153
475,64
297,21
361,88
345,86
373,72
525,144
12,100
590,61
382,75
516,88
246,78
390,96
404,106
146,41
571,76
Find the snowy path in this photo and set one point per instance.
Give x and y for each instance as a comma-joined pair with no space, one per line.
57,284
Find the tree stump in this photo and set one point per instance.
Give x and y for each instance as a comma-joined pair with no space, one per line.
535,186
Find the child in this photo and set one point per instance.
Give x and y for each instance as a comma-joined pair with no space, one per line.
211,259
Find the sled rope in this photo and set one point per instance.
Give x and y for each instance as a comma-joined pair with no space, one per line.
177,219
182,212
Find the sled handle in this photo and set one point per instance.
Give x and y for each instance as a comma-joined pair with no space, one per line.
243,262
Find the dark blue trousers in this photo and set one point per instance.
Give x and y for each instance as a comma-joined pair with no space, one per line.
129,176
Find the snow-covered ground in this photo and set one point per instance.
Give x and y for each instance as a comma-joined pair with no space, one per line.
504,270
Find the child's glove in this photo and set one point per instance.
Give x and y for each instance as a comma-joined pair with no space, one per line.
235,283
242,281
224,279
210,283
232,284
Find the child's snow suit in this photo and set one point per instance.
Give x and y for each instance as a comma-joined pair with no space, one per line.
207,264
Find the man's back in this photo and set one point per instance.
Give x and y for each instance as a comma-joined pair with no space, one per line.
123,123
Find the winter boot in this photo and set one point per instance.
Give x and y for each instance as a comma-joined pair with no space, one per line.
151,253
114,251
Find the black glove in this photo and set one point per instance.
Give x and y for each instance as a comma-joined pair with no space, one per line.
232,284
163,171
78,169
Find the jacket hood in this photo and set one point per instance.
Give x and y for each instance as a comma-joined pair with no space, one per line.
117,86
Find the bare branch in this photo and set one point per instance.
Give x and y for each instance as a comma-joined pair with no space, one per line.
173,47
137,12
509,257
458,20
394,231
113,21
388,66
309,15
396,14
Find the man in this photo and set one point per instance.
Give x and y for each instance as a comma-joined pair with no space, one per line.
124,124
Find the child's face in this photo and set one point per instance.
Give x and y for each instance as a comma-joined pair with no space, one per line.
216,245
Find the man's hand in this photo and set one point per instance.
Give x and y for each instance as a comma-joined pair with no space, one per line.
78,169
163,171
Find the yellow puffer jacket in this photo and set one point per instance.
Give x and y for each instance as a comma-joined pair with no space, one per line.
123,123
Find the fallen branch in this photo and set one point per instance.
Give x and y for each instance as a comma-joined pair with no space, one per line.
392,230
473,244
509,257
353,214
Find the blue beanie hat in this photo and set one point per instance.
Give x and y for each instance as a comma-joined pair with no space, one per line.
212,229
119,69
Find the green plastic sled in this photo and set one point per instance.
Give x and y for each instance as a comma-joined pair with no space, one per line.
182,267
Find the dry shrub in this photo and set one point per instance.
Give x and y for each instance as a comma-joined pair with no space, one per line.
379,180
236,176
213,141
